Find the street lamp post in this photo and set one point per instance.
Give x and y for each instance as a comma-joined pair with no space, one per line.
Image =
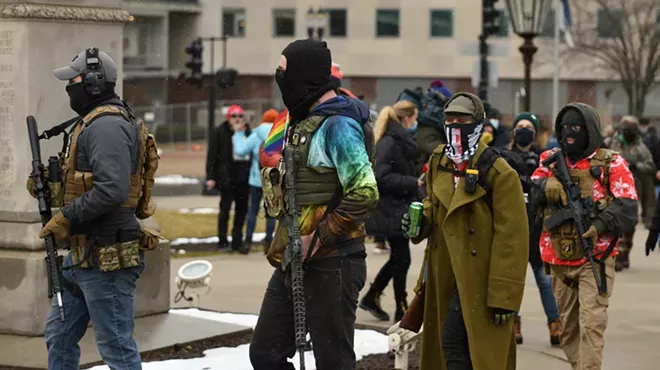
527,18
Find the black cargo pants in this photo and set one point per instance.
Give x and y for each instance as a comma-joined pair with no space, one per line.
332,286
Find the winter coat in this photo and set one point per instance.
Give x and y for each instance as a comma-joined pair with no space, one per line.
638,156
396,175
245,144
651,140
480,252
531,160
222,165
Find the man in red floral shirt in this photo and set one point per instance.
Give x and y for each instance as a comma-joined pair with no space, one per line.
604,176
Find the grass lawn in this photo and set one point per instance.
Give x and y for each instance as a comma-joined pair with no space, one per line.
175,225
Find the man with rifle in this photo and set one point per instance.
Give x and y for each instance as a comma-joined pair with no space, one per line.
586,196
106,172
318,249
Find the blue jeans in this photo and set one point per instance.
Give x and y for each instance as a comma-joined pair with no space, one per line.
255,205
544,283
109,302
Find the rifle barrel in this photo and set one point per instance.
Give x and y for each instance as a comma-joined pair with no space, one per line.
33,134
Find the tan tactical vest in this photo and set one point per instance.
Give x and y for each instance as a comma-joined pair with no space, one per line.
565,239
76,183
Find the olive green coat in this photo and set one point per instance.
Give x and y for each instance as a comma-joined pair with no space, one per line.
483,253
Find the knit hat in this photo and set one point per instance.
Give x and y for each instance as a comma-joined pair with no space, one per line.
526,116
439,86
269,116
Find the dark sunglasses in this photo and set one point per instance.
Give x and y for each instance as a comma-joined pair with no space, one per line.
237,116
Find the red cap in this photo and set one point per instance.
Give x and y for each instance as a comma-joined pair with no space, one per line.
437,84
234,109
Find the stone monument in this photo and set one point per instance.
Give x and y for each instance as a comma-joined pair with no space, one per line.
37,36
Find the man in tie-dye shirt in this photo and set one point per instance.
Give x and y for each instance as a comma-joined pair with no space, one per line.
335,190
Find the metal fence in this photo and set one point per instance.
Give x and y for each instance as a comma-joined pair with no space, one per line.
188,122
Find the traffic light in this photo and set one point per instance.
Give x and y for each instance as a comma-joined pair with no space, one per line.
195,63
491,18
226,77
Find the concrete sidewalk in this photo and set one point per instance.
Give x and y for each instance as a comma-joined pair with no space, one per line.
632,336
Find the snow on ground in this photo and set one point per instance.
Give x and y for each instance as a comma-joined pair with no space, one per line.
256,237
175,180
200,211
367,342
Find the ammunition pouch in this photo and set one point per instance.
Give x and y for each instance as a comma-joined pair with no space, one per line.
148,239
55,190
77,185
109,252
272,182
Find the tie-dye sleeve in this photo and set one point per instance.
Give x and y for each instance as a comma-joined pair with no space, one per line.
344,144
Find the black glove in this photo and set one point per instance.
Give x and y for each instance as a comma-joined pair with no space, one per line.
651,241
632,166
501,315
405,223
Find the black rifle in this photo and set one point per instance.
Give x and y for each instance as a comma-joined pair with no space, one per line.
294,253
578,210
42,192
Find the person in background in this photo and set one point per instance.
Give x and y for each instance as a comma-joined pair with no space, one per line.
230,173
650,139
398,186
439,87
501,133
244,145
629,145
525,128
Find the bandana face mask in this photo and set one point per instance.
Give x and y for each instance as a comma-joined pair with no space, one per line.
462,140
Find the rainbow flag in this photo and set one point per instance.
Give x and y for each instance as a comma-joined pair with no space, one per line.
275,140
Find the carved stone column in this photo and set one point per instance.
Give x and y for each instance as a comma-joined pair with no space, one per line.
35,38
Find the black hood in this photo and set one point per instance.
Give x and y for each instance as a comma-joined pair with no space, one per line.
592,123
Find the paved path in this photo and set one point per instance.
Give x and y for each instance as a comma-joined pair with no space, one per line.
632,337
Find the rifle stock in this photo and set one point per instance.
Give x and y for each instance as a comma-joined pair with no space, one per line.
42,192
414,317
576,209
295,251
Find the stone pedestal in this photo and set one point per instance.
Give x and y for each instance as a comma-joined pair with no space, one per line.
36,37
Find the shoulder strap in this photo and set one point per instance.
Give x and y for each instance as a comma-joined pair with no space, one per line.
104,110
604,158
484,164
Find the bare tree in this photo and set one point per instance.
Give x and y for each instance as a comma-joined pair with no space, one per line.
630,49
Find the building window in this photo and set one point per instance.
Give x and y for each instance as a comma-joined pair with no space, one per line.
609,22
233,22
504,24
387,22
442,23
284,22
336,22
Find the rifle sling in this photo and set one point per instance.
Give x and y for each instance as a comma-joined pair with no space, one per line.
56,130
334,202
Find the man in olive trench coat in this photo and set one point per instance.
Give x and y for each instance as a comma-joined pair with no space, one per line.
480,253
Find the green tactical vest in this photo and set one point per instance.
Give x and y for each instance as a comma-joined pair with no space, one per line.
317,184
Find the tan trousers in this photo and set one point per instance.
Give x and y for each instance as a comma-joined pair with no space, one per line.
583,313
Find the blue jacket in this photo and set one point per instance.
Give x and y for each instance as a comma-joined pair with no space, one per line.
245,145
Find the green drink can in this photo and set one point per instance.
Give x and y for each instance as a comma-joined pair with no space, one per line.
415,213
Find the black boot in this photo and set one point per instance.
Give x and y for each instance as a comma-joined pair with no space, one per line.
245,248
618,262
401,308
371,302
625,258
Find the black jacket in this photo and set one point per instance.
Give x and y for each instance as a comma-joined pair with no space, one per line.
108,148
396,175
221,164
531,161
651,140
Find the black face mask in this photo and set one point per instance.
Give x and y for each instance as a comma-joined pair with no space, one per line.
524,136
307,76
81,102
629,136
575,150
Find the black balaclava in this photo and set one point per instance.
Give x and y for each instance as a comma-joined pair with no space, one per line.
82,103
571,118
630,132
307,76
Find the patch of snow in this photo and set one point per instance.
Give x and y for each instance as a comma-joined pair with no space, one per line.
159,151
211,240
367,342
202,211
175,180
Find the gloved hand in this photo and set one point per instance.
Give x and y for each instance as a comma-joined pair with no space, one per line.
501,315
592,234
59,226
651,241
554,192
30,184
405,224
